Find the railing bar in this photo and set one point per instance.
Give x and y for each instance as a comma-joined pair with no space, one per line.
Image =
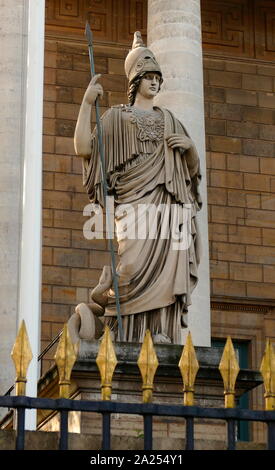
20,429
63,433
148,432
106,431
189,433
271,435
231,434
117,407
135,408
20,403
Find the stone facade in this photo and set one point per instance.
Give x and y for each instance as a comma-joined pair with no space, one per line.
240,135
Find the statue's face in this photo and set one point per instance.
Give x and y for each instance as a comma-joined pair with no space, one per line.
149,85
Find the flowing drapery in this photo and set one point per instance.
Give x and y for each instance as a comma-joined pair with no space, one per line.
156,274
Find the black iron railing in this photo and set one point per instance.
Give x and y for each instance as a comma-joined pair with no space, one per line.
146,410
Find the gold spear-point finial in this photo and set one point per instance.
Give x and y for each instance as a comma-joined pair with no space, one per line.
106,362
267,370
229,369
148,364
21,355
65,358
189,367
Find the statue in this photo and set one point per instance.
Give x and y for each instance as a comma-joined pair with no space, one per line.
150,162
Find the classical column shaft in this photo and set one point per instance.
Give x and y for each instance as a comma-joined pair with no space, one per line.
174,35
21,99
30,249
12,20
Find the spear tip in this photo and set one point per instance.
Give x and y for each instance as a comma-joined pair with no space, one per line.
88,33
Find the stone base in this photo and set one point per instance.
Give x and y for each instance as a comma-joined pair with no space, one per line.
127,387
36,440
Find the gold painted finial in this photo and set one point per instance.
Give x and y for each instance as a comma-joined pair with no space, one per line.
189,367
229,369
21,355
267,370
148,364
65,358
106,362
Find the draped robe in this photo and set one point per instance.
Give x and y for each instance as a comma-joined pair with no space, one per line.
155,278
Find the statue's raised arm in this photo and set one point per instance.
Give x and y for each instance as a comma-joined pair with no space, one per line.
82,135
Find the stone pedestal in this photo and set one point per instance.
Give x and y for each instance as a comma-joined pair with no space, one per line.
127,387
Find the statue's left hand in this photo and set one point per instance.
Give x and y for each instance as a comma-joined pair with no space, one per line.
179,141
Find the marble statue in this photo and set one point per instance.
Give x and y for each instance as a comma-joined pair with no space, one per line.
150,162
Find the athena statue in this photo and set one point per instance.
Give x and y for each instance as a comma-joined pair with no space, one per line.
150,162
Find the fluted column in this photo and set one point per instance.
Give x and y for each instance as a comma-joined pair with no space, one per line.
11,79
174,35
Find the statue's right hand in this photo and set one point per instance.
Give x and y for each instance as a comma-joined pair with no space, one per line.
93,91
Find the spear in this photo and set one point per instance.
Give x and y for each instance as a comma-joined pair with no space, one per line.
89,38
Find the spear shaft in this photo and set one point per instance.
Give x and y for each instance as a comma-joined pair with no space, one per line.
89,37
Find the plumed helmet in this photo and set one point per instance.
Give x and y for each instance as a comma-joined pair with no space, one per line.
140,59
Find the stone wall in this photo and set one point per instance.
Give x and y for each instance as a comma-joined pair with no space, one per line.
37,440
240,132
239,103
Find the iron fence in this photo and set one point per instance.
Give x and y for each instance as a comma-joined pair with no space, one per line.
66,356
146,410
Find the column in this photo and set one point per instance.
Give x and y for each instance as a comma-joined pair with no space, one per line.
21,100
30,246
174,35
12,41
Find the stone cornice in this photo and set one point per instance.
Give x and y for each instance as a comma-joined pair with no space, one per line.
231,305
